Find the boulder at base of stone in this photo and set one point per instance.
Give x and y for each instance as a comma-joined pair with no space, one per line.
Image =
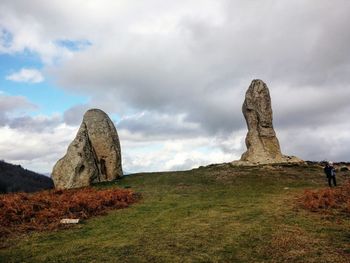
93,156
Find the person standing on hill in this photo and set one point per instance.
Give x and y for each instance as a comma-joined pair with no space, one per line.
330,173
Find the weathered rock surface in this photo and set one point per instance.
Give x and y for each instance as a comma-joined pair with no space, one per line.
93,156
261,141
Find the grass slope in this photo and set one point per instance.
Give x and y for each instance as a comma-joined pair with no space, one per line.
211,214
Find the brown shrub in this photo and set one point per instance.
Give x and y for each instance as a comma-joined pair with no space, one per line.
327,199
23,212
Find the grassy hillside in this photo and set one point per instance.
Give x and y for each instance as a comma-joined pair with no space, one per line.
211,214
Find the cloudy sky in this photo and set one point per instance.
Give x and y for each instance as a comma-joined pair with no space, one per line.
172,75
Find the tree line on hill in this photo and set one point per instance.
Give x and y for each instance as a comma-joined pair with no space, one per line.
14,178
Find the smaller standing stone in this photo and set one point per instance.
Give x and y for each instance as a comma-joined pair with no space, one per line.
93,156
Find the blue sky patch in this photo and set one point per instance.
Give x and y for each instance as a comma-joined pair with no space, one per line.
74,45
48,97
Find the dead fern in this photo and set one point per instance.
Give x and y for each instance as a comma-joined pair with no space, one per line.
24,212
327,199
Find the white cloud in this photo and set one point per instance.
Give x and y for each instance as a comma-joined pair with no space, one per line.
33,150
29,75
170,154
328,142
186,65
39,151
11,106
10,103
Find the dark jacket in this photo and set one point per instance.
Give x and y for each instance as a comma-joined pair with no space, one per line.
329,170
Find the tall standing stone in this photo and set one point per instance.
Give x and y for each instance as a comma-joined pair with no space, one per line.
261,141
93,156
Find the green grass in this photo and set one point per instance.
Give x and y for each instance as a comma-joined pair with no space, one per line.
211,214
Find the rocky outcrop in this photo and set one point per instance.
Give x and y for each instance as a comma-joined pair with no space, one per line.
93,156
261,141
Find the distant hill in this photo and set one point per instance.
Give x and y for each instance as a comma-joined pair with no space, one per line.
14,178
